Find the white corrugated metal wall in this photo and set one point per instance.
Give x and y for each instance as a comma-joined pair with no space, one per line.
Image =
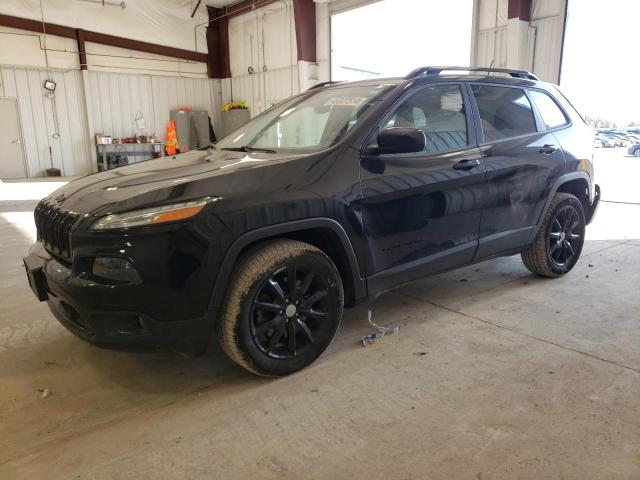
116,98
547,20
491,41
492,47
113,101
265,41
544,40
53,126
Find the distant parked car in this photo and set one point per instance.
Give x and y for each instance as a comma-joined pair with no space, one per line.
607,141
620,140
634,150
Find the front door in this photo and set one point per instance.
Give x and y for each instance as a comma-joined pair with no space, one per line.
11,154
421,211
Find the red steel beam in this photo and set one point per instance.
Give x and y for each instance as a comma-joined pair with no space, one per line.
102,38
121,42
82,52
219,65
519,9
304,12
36,26
246,6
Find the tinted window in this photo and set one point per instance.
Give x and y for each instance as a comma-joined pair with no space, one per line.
309,122
551,114
504,112
437,111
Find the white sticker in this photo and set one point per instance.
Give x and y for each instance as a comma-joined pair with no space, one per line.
345,101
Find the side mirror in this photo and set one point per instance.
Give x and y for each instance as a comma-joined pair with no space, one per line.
400,140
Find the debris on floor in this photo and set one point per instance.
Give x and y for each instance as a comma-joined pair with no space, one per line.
45,392
382,331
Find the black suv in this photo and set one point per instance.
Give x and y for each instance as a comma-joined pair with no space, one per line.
328,198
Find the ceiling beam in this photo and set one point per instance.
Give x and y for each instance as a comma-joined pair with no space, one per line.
101,38
245,6
154,48
36,26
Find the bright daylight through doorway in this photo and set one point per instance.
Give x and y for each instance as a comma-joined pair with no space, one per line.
435,33
590,62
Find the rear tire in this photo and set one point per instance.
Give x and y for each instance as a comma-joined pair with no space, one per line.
559,241
282,308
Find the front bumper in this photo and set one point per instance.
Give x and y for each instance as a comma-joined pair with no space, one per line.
107,315
593,208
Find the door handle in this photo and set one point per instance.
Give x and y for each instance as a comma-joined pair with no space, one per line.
547,149
16,142
467,164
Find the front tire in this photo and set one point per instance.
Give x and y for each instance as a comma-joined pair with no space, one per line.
282,308
559,241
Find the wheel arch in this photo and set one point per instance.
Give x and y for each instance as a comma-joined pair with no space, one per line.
323,233
578,187
575,183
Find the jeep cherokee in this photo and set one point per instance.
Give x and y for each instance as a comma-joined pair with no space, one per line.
328,198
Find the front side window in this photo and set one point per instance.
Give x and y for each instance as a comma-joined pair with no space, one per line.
306,123
551,114
439,112
504,112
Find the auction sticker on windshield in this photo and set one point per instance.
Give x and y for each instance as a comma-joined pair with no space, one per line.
345,101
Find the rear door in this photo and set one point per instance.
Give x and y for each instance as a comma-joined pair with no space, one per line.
422,210
522,163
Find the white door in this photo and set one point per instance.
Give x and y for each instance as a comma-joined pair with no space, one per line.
11,153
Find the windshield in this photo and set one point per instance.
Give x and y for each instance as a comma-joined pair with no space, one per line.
306,123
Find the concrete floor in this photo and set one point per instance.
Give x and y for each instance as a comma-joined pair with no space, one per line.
494,374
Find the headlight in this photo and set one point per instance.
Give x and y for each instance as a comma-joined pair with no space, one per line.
152,216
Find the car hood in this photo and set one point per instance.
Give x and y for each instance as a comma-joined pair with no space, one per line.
161,180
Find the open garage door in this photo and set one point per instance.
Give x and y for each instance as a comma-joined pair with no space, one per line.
399,36
600,75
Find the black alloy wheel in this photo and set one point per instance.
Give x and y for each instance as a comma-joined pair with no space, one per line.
289,311
283,307
559,240
564,236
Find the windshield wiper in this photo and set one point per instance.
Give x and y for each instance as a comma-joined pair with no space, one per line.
248,149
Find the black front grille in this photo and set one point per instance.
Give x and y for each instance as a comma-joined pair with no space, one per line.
54,227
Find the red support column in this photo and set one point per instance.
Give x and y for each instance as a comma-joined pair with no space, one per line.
82,53
304,12
218,63
519,9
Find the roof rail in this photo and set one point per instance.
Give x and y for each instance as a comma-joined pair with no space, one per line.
325,84
426,71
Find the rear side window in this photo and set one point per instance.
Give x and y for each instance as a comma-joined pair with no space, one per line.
504,112
551,114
